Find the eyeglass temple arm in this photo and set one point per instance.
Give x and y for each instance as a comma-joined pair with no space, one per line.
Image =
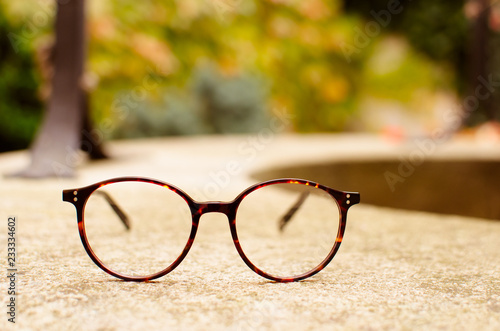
286,218
123,217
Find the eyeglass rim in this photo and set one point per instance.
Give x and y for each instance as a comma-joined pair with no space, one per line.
79,197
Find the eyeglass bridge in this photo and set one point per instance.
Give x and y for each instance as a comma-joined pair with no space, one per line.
212,207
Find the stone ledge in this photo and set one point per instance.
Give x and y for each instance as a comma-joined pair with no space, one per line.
395,270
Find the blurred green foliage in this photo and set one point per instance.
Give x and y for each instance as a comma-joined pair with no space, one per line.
212,104
20,108
437,29
222,66
295,46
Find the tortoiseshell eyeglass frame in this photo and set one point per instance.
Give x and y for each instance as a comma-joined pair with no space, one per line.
79,197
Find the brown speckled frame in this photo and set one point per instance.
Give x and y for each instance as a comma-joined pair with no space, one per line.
78,197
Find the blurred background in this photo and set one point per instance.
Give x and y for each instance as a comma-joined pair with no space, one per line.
187,67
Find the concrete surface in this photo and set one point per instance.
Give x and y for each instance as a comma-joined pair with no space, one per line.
396,270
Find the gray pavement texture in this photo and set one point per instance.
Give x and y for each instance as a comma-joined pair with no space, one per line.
396,270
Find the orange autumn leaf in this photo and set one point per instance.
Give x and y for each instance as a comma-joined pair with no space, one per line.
315,9
156,51
103,29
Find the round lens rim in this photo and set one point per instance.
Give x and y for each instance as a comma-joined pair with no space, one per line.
85,193
339,198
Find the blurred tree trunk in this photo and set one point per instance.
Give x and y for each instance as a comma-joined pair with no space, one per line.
66,127
479,62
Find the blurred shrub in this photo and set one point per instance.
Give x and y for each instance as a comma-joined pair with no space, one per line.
213,104
20,108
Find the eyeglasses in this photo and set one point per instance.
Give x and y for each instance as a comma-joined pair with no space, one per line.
139,229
